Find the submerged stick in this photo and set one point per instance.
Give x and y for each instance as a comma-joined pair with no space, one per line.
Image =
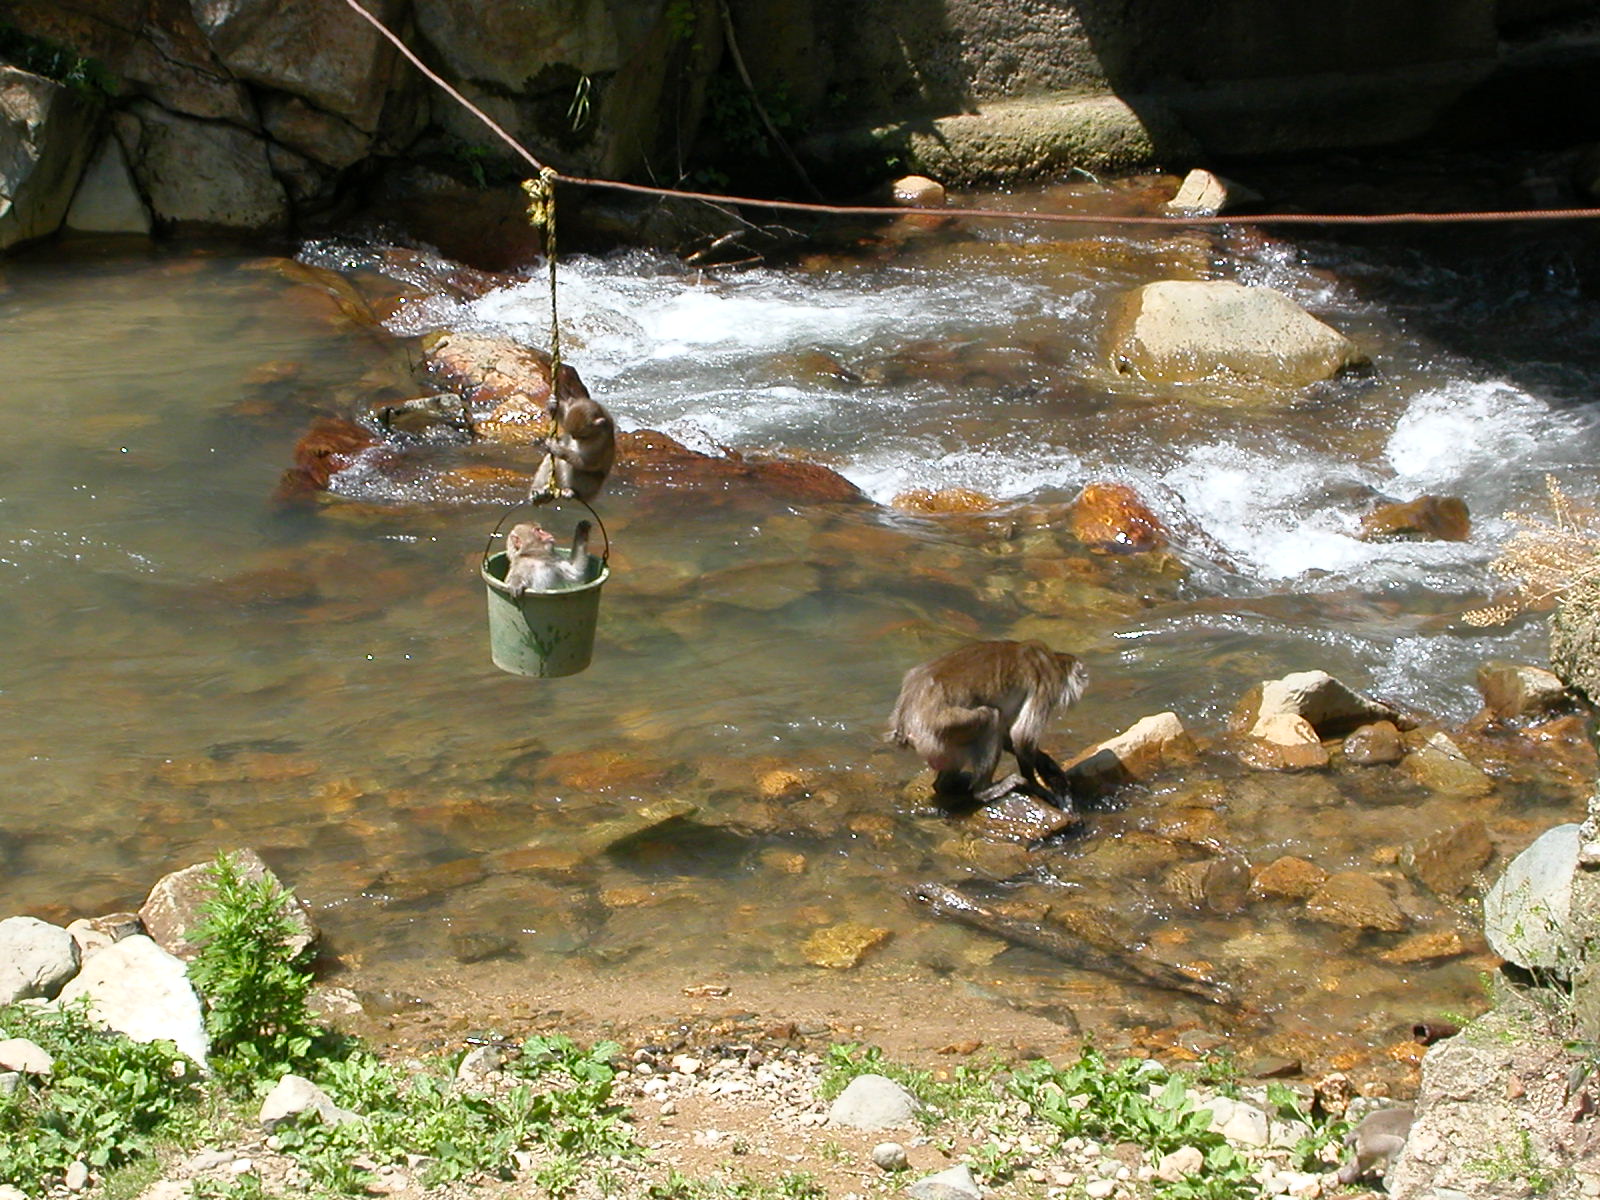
947,902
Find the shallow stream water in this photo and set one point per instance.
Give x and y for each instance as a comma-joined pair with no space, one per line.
191,665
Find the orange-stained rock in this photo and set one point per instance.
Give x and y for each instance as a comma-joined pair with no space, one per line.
1284,742
945,500
1428,518
1110,516
1288,878
649,460
330,445
487,370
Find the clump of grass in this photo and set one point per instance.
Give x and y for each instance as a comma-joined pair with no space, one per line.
1546,557
252,979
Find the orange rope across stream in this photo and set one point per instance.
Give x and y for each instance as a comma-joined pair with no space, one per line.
992,214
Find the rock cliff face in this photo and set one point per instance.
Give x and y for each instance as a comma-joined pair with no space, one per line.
260,114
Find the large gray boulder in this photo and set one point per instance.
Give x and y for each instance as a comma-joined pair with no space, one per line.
36,959
1177,330
319,51
46,131
173,909
137,988
201,174
1528,914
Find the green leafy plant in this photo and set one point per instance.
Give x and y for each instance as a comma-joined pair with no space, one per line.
1136,1101
254,982
54,61
108,1100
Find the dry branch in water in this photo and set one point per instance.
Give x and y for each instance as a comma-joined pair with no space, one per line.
1545,557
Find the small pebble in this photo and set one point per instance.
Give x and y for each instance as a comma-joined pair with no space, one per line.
890,1156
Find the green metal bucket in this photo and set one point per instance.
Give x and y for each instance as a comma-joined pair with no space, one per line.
543,634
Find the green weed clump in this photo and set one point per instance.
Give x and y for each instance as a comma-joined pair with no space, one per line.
253,981
108,1100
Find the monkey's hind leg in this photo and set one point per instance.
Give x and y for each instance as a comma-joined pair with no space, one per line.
1045,778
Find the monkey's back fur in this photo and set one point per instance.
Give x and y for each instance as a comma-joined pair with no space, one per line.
962,697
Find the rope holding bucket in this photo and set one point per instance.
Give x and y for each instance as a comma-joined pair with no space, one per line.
542,634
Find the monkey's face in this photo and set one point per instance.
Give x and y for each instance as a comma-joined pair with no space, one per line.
528,538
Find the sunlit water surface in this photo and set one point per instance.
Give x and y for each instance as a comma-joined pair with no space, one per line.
191,665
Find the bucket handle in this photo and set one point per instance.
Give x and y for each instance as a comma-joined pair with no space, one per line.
605,554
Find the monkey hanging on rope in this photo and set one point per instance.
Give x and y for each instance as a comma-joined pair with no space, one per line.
582,446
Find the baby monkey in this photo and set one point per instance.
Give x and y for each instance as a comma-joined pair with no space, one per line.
962,710
535,566
580,454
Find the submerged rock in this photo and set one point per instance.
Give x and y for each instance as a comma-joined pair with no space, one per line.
1439,518
1446,861
1356,901
844,945
1110,516
1178,331
1375,744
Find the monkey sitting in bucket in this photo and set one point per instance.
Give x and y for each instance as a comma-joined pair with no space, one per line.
534,565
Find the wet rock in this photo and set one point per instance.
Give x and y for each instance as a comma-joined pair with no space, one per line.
651,460
1111,516
990,855
956,1183
942,502
173,908
137,988
1176,331
1284,742
1022,818
917,191
1288,878
1375,744
873,1102
36,959
1446,861
1527,913
762,587
1332,708
328,447
1220,885
1148,746
295,1096
843,946
1203,194
47,130
1432,946
487,370
1513,690
432,420
1356,901
1427,518
1440,766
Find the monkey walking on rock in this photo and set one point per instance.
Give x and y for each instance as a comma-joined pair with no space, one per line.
962,710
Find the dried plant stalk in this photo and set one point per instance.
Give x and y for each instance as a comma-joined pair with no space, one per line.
1546,557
